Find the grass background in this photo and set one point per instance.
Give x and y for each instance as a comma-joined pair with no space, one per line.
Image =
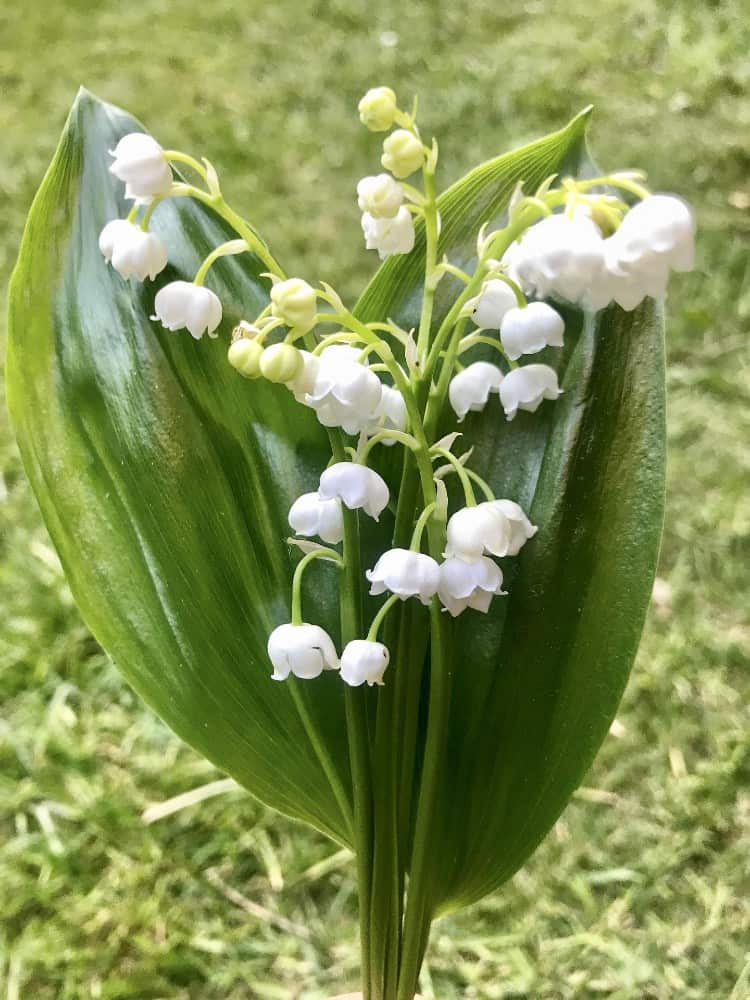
642,889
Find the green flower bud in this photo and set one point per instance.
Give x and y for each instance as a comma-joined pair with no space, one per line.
294,302
403,153
378,109
281,363
244,355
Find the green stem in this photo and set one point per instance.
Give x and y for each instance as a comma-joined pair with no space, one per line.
321,752
377,621
357,728
461,472
431,240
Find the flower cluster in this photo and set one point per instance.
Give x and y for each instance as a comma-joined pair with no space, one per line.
588,243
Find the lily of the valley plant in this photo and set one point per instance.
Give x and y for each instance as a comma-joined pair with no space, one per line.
384,562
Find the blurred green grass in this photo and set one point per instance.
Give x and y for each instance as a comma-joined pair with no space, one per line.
642,889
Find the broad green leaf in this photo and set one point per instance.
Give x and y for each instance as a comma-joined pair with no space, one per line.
536,682
165,479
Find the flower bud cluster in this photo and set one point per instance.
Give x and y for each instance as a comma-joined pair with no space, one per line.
387,222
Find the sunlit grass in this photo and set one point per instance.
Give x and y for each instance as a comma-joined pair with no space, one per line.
642,889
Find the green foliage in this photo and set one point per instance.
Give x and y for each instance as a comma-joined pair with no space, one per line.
639,890
164,480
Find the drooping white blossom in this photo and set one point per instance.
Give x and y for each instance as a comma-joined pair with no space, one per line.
344,393
389,235
405,573
380,196
471,388
564,257
469,584
364,661
357,486
303,650
390,414
531,329
403,153
294,302
139,161
184,304
492,303
131,251
377,109
657,235
310,515
521,528
305,380
525,388
474,531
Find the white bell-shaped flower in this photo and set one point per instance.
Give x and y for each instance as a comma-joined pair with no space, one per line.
131,251
139,161
656,235
390,414
471,388
525,388
531,329
389,235
405,573
469,584
305,380
492,303
345,392
661,228
184,304
521,528
380,196
357,486
364,661
564,257
474,531
303,650
310,515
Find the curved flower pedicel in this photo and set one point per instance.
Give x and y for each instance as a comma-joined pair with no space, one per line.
437,554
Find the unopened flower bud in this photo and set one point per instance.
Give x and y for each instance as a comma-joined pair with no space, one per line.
525,388
244,355
378,109
405,573
380,196
303,650
294,302
185,304
364,661
403,153
281,363
139,161
528,330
